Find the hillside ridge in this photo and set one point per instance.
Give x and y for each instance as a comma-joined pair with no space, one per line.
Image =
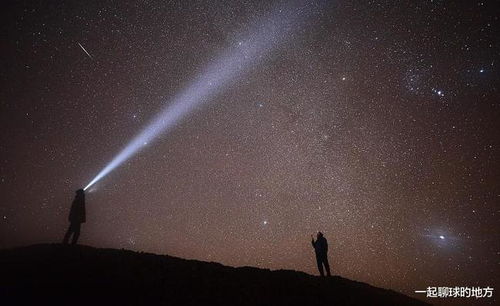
54,274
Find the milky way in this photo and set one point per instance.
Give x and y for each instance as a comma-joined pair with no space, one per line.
373,122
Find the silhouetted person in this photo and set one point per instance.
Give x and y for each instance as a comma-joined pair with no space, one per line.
321,248
76,217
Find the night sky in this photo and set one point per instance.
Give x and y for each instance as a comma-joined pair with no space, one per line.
374,122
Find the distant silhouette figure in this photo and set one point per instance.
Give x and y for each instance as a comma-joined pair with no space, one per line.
321,248
76,217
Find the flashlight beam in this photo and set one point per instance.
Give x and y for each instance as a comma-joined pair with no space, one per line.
265,36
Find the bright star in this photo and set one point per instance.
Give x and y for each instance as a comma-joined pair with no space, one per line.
438,92
441,237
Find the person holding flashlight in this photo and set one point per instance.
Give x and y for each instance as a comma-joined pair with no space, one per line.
76,217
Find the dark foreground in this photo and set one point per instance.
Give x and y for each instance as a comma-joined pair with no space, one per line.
82,275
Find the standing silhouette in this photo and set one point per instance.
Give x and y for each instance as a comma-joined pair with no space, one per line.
76,217
321,248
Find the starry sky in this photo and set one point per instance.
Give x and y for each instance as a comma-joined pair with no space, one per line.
374,122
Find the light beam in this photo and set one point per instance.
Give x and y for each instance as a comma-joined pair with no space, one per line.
264,36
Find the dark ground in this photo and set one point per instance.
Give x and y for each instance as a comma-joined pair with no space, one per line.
81,275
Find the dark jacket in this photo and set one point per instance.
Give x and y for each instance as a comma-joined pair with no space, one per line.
77,213
320,246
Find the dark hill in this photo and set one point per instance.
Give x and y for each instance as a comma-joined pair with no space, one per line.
82,275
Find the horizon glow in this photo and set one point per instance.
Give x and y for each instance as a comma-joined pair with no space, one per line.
265,35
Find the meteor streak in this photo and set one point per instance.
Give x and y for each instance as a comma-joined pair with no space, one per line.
264,36
84,50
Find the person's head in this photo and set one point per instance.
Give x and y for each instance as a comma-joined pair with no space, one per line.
320,234
80,192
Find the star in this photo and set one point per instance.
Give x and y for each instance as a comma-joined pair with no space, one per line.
438,92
